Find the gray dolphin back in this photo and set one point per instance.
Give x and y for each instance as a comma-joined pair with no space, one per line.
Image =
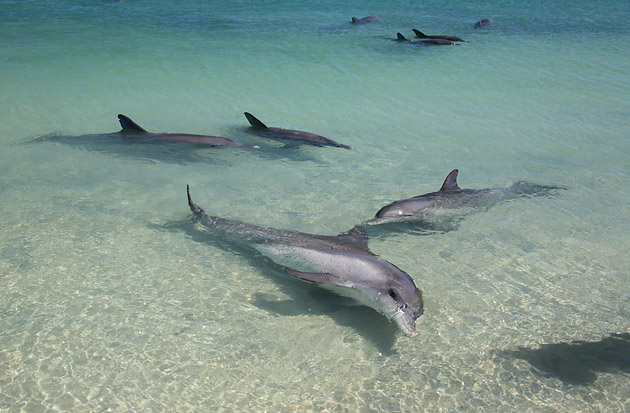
421,35
484,23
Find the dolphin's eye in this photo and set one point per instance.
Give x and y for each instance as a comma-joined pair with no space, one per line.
400,301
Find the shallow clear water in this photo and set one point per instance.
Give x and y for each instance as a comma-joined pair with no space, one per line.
112,298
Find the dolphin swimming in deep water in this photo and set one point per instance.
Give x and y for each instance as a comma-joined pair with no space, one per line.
451,196
132,129
367,19
292,134
484,23
436,42
421,35
340,263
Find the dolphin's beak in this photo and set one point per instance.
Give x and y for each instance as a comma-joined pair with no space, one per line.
406,323
380,220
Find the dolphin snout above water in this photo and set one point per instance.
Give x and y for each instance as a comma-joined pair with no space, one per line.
341,263
132,130
291,134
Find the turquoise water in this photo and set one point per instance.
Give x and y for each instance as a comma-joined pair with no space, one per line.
113,300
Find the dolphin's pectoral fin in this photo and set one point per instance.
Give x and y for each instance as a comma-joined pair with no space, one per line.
128,125
253,120
317,277
450,183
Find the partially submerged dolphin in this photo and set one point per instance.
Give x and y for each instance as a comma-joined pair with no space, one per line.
484,23
132,129
451,196
421,35
436,42
341,263
366,19
292,134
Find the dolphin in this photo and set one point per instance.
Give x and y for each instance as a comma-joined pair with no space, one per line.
292,134
341,263
484,23
438,36
131,129
451,196
367,19
436,42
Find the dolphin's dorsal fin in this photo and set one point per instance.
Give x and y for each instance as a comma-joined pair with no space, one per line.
419,34
129,125
450,183
357,236
355,20
400,36
253,120
317,277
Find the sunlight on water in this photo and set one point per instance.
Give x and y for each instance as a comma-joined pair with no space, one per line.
114,299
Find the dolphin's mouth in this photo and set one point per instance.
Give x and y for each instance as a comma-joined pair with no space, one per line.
388,218
376,221
405,322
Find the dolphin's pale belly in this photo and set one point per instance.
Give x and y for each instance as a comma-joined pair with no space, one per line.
301,259
312,260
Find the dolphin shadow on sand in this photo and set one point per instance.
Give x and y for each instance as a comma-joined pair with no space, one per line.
366,322
307,298
578,362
